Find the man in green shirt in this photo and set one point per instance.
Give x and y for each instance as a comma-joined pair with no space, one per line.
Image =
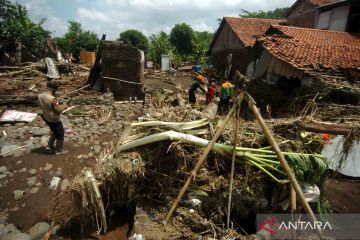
225,95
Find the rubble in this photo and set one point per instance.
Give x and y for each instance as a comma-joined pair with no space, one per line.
144,179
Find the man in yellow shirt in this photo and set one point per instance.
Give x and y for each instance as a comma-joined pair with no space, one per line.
51,111
225,95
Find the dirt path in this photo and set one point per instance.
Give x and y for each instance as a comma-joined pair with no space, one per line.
343,195
33,207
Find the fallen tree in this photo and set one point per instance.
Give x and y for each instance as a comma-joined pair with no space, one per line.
312,125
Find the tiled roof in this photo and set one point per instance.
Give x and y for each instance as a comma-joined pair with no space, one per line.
248,28
304,47
322,2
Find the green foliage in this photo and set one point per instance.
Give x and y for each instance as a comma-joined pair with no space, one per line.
135,38
159,44
182,38
278,13
76,39
201,46
16,26
308,168
323,206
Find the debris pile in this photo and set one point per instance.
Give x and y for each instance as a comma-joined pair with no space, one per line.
135,158
161,158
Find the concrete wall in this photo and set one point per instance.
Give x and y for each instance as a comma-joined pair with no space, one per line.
334,19
324,20
227,42
303,14
339,17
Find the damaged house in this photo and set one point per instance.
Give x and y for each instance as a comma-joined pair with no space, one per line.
121,71
237,36
295,57
325,14
341,16
303,13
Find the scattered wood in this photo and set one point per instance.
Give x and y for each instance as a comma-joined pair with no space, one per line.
98,198
96,69
12,100
311,125
201,161
32,69
281,158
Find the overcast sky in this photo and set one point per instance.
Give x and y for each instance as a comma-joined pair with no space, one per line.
149,16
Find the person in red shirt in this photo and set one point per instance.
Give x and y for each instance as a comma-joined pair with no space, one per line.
210,93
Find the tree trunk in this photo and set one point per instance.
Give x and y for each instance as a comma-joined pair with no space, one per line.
18,53
325,127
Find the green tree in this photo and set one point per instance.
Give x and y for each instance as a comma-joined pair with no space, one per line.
16,28
182,38
278,13
135,38
159,44
76,39
202,42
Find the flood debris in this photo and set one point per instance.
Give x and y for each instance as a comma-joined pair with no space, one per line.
152,159
137,158
16,116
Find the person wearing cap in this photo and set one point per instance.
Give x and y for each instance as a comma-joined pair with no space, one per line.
197,68
51,111
198,80
225,95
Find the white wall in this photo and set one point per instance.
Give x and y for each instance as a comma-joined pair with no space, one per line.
335,19
165,62
324,20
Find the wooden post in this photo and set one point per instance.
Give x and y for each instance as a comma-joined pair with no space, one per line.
293,199
293,209
200,161
236,126
282,159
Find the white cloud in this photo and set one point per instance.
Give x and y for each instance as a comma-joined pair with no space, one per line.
93,15
149,16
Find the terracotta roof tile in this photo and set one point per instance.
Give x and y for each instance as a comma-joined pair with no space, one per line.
248,28
304,47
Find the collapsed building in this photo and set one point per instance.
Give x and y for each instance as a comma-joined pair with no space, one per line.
237,36
309,57
119,69
325,14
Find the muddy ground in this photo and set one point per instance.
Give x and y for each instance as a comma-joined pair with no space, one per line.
81,139
94,125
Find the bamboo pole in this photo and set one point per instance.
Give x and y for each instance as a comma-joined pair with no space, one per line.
68,109
293,199
49,232
200,161
293,209
282,159
77,90
236,126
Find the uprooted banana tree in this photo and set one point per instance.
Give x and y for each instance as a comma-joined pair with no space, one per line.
117,174
307,167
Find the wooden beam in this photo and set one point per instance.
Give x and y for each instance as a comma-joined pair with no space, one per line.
311,125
